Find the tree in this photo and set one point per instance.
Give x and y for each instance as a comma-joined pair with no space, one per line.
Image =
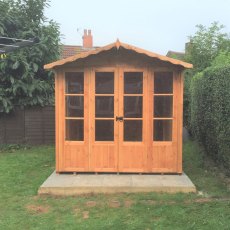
206,44
23,80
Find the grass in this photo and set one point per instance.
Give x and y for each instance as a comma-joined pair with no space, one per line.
23,170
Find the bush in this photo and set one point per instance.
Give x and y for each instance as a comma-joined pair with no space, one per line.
187,96
210,111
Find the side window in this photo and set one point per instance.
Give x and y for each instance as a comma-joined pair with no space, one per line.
74,106
162,106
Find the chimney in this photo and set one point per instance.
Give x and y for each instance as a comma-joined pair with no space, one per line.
188,46
87,39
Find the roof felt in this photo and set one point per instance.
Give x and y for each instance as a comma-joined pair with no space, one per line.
117,45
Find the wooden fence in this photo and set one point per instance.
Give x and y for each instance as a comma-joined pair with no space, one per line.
35,126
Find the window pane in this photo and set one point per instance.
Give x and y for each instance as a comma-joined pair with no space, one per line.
133,82
74,82
163,82
74,130
132,130
74,106
163,106
104,106
104,83
162,130
104,130
133,106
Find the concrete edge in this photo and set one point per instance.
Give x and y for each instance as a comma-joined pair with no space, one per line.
68,191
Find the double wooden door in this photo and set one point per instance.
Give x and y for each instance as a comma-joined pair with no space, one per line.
117,120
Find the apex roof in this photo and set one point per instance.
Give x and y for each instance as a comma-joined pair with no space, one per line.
117,45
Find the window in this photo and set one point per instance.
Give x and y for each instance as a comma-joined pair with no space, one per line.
74,106
162,130
163,106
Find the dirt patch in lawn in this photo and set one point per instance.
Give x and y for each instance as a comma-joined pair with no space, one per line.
85,214
77,211
204,200
168,202
128,203
155,202
36,197
114,204
37,208
91,204
207,200
149,202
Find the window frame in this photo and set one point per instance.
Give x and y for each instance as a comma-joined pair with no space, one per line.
72,95
153,95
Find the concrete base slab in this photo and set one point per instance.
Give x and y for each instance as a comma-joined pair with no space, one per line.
70,184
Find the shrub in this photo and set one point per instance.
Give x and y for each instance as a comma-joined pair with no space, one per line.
210,111
187,96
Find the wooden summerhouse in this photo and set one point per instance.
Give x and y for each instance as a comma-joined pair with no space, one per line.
119,109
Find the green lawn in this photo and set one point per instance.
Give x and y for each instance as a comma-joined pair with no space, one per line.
24,170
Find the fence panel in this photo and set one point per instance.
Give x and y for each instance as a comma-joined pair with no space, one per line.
35,126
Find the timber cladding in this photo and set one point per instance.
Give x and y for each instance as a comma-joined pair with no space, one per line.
34,126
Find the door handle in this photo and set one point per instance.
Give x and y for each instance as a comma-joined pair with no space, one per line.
119,118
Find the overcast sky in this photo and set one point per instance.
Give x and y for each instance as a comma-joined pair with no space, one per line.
155,25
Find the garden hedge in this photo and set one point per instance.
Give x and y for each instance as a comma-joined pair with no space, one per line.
210,112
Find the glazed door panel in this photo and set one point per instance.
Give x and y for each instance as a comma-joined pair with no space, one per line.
103,126
132,125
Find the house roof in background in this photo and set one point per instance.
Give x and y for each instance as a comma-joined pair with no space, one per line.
176,55
117,45
71,50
